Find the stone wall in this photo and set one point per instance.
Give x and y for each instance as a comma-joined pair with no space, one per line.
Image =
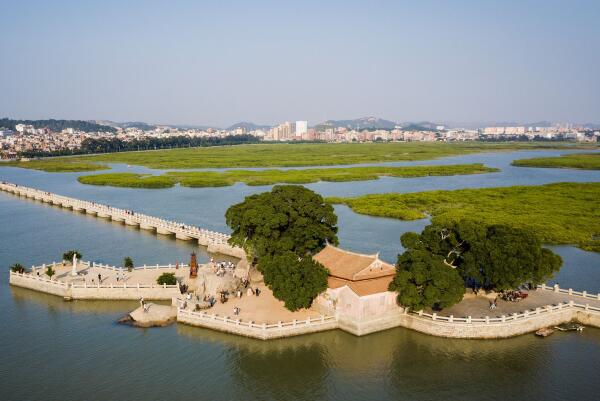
157,293
39,284
468,328
125,292
259,331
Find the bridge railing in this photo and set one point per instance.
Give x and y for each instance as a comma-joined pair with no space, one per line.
569,291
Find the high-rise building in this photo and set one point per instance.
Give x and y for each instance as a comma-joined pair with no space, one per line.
301,127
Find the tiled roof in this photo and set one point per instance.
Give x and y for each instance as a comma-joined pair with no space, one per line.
352,266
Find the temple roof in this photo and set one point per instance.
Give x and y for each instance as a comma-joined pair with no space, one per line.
351,266
362,287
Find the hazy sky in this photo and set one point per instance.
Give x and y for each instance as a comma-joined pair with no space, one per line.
220,62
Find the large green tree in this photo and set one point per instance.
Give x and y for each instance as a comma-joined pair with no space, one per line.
501,257
289,218
422,279
496,257
296,281
281,230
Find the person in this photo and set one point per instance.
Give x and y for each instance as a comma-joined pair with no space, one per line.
257,291
236,311
142,302
99,278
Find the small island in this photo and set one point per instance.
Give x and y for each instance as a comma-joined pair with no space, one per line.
291,277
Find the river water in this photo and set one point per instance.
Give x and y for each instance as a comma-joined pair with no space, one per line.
55,350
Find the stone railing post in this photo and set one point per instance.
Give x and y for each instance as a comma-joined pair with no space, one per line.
556,288
503,317
469,319
487,320
570,291
451,318
434,316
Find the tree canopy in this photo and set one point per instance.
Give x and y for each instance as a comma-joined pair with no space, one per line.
439,261
289,218
281,230
294,280
422,280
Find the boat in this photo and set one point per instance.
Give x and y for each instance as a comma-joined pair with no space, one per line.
544,332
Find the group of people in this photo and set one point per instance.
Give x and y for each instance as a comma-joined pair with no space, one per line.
221,268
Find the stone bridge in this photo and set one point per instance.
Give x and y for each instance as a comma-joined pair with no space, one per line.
214,241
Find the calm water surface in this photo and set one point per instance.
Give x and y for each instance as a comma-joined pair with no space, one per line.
54,350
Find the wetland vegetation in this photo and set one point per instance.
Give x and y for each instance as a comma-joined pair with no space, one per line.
563,213
287,155
269,177
584,161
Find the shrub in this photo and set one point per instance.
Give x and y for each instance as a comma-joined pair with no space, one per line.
17,268
69,255
128,263
167,278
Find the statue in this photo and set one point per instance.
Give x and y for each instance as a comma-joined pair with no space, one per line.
193,266
74,267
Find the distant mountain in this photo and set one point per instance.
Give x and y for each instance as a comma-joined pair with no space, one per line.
360,123
419,126
248,126
58,125
127,124
190,126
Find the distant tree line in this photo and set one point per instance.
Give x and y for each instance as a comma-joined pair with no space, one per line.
58,125
111,145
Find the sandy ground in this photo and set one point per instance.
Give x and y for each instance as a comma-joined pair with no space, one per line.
264,308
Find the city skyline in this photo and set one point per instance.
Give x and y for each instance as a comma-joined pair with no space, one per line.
203,64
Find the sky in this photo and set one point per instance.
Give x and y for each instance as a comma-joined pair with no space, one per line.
220,62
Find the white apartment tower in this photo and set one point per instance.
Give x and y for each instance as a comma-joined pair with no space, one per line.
301,127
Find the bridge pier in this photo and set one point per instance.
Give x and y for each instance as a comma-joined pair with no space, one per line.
182,236
103,215
131,222
163,231
146,226
116,217
90,211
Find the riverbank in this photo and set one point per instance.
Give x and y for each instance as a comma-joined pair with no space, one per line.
564,213
582,161
269,177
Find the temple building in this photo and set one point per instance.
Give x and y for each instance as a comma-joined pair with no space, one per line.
357,284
